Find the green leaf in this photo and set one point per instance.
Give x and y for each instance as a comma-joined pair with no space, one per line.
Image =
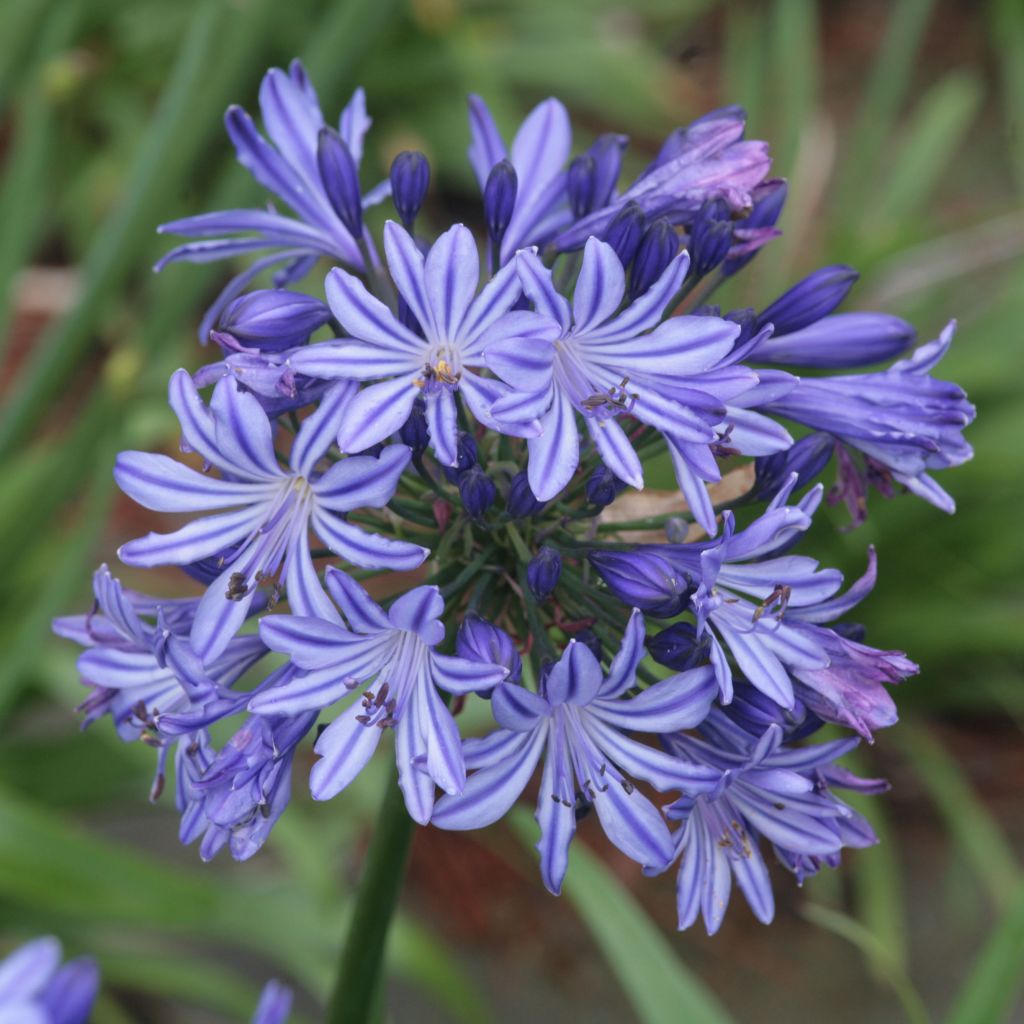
968,821
876,952
886,88
997,974
931,139
659,987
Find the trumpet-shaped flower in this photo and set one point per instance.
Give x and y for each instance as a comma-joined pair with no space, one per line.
396,650
767,791
603,363
274,506
580,721
458,326
137,670
35,988
297,166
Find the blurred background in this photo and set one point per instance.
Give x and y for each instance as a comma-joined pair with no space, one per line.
900,125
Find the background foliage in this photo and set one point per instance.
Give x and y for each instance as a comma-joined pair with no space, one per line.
901,127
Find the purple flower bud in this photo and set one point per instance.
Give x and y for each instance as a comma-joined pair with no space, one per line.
607,153
809,300
807,458
769,198
838,341
603,487
580,185
500,198
644,580
625,231
480,640
710,237
477,491
466,456
678,647
543,572
272,319
340,179
521,501
413,431
657,250
410,177
754,712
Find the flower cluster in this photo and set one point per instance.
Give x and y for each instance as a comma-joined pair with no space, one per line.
397,490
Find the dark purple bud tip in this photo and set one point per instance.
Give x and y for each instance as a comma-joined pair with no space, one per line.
521,501
580,185
543,572
466,457
807,302
679,648
603,487
807,458
410,178
477,491
500,198
644,580
273,319
482,641
710,237
590,640
656,251
414,432
769,198
340,179
625,231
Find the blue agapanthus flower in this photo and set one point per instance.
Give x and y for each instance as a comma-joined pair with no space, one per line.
487,397
579,722
396,649
36,988
275,506
768,792
296,166
457,325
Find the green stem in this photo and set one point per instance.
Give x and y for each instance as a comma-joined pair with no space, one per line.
361,968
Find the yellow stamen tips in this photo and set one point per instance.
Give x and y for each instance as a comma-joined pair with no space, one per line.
420,383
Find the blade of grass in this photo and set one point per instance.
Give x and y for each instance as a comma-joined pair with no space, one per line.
932,137
886,89
997,974
659,987
875,951
969,823
24,192
215,54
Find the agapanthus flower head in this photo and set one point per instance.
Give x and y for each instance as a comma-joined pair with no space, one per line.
35,988
579,721
544,361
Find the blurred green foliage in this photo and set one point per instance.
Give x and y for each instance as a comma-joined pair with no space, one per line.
906,159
